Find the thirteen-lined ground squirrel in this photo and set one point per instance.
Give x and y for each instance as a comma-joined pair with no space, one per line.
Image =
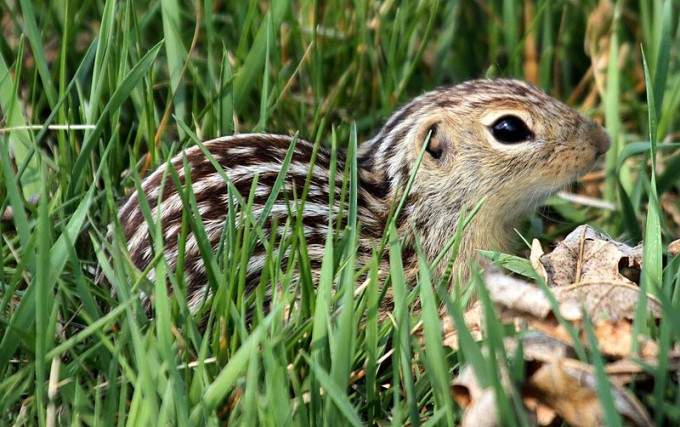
504,141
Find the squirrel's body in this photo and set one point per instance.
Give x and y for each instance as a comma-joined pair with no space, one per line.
501,141
243,157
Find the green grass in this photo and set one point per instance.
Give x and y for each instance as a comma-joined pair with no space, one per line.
148,78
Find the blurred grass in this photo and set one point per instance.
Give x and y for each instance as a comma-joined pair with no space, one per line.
286,66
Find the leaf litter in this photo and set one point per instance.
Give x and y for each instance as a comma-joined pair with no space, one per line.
584,277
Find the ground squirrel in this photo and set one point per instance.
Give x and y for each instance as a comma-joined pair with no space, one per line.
504,141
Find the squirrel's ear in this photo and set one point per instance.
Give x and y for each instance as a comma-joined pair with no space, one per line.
438,146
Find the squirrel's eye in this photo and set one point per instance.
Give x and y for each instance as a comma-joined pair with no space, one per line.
510,130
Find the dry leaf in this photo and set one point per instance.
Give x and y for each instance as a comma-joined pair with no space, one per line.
535,258
481,412
584,273
515,296
587,255
623,371
557,385
611,307
674,247
570,387
616,339
612,301
479,404
545,415
538,347
473,323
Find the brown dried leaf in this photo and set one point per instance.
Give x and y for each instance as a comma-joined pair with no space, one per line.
465,388
535,258
587,255
556,385
479,404
539,347
473,323
515,296
570,387
545,415
616,338
611,306
623,371
611,301
481,412
674,247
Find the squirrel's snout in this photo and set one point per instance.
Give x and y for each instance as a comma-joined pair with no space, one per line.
602,141
597,136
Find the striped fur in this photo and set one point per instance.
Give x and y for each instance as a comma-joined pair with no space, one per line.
464,164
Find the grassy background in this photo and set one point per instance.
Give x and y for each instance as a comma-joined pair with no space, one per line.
146,78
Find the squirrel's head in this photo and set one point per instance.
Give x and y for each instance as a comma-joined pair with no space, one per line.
501,139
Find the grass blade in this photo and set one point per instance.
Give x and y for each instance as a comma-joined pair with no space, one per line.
20,139
122,92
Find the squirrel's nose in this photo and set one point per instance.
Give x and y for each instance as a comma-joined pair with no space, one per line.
596,135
